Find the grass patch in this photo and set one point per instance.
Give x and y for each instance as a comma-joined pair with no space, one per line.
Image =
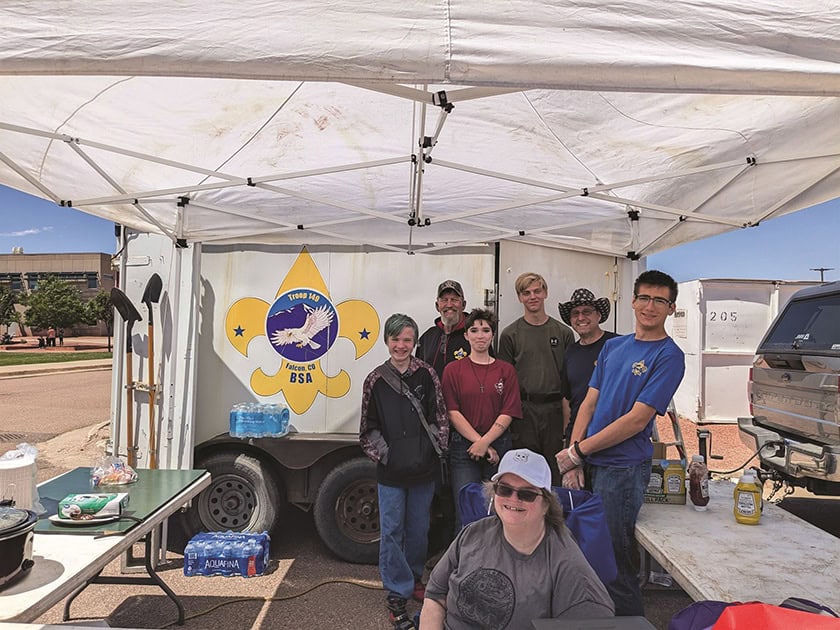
30,358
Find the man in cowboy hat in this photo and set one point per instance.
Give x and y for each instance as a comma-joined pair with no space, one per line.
584,314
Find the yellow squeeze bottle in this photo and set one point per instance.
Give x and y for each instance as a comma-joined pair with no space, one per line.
747,500
674,478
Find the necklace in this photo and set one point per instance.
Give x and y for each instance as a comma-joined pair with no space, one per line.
475,374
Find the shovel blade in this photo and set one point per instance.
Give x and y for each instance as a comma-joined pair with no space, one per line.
124,307
152,293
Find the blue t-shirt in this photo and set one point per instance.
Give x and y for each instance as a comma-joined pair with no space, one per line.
628,371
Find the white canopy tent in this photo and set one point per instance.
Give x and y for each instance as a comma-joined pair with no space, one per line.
618,128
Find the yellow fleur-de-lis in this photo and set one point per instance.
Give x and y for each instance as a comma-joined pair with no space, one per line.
301,382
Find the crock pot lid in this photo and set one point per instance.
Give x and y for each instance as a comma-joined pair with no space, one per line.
12,517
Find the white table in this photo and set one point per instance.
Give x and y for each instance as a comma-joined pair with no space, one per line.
66,563
712,556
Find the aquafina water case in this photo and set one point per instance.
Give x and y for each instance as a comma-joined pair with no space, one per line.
227,553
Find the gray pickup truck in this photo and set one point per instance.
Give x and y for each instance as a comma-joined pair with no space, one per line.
794,390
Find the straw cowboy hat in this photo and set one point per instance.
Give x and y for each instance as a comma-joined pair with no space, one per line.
584,297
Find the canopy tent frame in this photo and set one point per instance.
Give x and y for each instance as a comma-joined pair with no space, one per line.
445,102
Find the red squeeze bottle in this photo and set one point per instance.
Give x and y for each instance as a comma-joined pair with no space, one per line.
698,482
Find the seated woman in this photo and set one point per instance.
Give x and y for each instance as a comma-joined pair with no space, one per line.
519,565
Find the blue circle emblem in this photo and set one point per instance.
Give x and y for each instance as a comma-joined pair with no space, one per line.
302,325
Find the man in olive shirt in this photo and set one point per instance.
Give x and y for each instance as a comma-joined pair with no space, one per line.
536,344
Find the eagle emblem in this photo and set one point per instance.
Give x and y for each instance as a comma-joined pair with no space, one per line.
316,320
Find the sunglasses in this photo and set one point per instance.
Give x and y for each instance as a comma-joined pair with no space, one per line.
504,491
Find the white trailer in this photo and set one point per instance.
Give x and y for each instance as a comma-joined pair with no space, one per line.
719,323
212,343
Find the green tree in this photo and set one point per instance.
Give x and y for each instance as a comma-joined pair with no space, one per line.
8,299
100,309
55,303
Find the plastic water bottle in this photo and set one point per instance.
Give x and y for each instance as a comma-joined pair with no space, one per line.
234,429
284,419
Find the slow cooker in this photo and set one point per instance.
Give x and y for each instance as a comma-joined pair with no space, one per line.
17,531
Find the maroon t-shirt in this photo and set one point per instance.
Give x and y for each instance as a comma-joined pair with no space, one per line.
481,392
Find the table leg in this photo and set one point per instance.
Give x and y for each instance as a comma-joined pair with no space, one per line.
153,580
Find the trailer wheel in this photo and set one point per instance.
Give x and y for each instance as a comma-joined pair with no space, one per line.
347,512
244,494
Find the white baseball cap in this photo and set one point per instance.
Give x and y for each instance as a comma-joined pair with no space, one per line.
527,464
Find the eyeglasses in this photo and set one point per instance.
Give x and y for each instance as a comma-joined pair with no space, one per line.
581,312
523,494
659,302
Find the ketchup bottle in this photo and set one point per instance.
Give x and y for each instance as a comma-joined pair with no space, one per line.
698,483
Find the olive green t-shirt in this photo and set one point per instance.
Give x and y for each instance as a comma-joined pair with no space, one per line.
537,353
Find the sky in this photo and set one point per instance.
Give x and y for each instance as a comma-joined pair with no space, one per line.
786,248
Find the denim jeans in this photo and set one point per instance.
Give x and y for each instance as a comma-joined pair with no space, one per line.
404,529
464,470
622,489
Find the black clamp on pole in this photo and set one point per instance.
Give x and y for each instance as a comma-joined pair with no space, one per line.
441,100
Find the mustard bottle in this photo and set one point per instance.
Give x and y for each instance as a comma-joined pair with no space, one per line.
674,478
748,498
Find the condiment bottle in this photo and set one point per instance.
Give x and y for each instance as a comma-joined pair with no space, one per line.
747,500
698,483
675,478
657,473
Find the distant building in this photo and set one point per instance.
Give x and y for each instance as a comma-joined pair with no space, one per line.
90,273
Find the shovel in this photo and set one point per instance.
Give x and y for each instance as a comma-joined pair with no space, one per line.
152,296
130,315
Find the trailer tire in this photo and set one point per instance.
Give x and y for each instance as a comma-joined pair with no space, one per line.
244,495
347,511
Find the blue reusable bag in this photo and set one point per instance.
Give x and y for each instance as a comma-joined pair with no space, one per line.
585,518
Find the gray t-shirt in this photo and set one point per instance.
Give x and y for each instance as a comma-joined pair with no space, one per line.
487,584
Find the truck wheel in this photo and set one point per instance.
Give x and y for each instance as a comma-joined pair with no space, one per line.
243,495
347,512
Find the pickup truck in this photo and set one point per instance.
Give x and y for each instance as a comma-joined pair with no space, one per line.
794,392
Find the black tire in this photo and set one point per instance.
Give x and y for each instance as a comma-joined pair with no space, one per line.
347,511
243,495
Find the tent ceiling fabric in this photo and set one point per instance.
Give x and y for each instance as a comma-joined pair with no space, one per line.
628,127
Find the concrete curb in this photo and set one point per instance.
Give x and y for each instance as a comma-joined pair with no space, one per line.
54,368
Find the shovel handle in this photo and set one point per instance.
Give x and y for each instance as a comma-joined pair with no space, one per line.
152,397
129,411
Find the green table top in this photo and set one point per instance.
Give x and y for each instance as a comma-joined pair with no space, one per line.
152,489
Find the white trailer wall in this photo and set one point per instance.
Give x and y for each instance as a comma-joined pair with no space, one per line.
565,271
719,323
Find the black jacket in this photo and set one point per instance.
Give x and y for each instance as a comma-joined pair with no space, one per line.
438,348
391,432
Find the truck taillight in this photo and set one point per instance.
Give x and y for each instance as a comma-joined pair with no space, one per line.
749,390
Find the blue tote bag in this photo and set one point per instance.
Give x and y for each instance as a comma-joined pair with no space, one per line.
585,518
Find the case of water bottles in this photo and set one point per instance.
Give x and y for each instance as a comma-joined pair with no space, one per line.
257,420
227,553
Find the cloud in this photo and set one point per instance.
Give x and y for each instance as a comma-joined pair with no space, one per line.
29,232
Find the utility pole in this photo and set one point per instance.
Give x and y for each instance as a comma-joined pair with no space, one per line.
822,271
